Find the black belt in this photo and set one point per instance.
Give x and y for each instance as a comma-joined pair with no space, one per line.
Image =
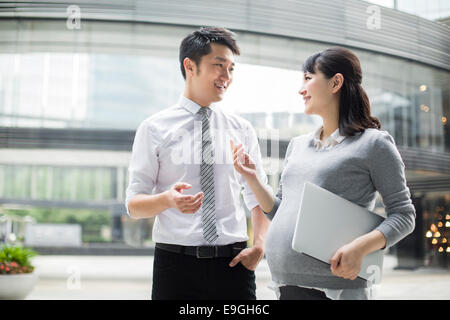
230,250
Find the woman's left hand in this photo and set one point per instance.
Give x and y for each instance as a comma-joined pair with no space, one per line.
346,262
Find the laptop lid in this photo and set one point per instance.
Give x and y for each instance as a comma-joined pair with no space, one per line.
327,221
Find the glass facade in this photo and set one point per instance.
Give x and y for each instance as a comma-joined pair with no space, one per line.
118,91
60,90
432,10
59,183
412,102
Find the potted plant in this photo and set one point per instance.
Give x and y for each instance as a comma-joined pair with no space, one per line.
17,276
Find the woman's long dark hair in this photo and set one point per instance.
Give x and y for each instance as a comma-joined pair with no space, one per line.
354,105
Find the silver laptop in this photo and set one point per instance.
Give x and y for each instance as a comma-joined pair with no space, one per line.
327,221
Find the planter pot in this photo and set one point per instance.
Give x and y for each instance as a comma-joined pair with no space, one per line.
17,286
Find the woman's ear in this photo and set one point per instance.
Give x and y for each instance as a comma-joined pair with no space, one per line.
337,82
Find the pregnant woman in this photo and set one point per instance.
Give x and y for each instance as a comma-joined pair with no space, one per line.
348,155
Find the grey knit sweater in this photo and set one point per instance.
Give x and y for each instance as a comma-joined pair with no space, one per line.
355,169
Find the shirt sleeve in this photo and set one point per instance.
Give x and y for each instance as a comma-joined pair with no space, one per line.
143,168
279,196
255,154
387,172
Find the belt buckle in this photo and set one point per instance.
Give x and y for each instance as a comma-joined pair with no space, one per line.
211,252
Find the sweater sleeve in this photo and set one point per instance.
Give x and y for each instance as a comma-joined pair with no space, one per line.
387,172
279,195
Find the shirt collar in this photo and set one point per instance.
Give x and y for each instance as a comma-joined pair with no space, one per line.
193,107
336,136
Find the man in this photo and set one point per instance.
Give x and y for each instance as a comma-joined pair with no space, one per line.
181,172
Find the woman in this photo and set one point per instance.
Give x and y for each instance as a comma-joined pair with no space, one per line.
348,155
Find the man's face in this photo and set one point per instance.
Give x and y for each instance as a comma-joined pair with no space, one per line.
212,77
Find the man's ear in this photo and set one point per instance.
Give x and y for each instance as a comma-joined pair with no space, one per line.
337,82
189,66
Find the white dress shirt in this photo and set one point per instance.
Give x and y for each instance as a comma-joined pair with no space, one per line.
167,150
334,294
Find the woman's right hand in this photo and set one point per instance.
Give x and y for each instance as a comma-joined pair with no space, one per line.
247,168
242,162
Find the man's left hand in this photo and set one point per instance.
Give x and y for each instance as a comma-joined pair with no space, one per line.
249,257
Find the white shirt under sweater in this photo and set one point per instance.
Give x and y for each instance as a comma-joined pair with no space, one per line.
167,149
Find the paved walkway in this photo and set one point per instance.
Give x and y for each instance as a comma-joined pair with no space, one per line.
129,277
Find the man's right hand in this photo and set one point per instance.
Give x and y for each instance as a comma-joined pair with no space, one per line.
184,203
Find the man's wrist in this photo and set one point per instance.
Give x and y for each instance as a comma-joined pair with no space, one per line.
167,199
259,244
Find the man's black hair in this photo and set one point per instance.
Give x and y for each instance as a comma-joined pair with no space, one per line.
198,44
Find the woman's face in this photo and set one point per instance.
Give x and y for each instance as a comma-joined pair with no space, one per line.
317,92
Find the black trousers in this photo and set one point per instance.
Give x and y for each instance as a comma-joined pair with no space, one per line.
298,293
183,277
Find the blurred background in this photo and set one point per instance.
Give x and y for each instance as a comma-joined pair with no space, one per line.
78,77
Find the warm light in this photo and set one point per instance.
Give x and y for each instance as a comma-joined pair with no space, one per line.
448,249
434,241
424,108
444,240
447,217
433,228
440,224
444,120
440,249
423,88
437,234
428,234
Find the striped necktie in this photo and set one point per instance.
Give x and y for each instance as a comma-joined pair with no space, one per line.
207,180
